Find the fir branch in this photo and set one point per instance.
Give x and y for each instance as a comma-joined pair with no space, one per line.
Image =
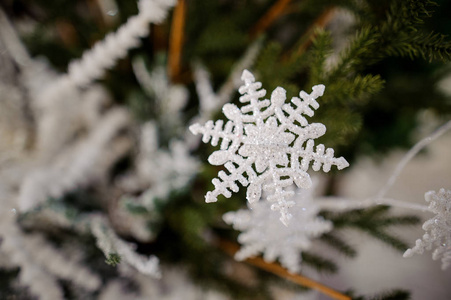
392,295
320,264
317,56
387,238
432,46
356,54
339,244
374,222
403,220
401,35
356,90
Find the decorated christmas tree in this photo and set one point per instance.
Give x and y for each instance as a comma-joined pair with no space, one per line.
323,172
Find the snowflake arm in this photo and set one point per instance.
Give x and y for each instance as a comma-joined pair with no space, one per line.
267,145
438,229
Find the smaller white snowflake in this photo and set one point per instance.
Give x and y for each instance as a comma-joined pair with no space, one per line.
438,229
263,233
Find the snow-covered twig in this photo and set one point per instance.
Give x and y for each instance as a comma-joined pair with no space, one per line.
105,53
87,159
15,47
41,264
409,155
343,204
111,245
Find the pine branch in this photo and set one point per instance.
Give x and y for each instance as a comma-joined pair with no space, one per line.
392,295
339,244
356,54
401,34
320,264
317,56
387,238
432,46
357,90
374,221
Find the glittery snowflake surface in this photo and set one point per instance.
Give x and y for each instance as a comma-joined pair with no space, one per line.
438,229
267,145
263,233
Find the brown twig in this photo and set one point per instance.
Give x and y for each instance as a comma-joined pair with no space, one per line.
231,248
271,15
176,41
310,34
67,33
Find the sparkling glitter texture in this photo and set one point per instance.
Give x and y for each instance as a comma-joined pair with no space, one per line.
263,233
267,145
438,229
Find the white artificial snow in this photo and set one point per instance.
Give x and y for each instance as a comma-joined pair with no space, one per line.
263,233
267,145
438,228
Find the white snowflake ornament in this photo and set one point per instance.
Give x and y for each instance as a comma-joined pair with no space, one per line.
263,233
438,229
267,145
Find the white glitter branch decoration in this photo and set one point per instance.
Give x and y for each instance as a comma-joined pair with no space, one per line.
115,46
438,229
267,145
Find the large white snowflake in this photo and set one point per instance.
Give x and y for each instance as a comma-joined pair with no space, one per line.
263,233
267,144
438,229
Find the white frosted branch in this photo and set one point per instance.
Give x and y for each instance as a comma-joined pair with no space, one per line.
410,154
343,204
76,166
14,245
110,243
105,53
61,266
12,42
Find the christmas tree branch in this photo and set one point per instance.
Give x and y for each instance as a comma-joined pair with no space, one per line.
231,248
176,41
